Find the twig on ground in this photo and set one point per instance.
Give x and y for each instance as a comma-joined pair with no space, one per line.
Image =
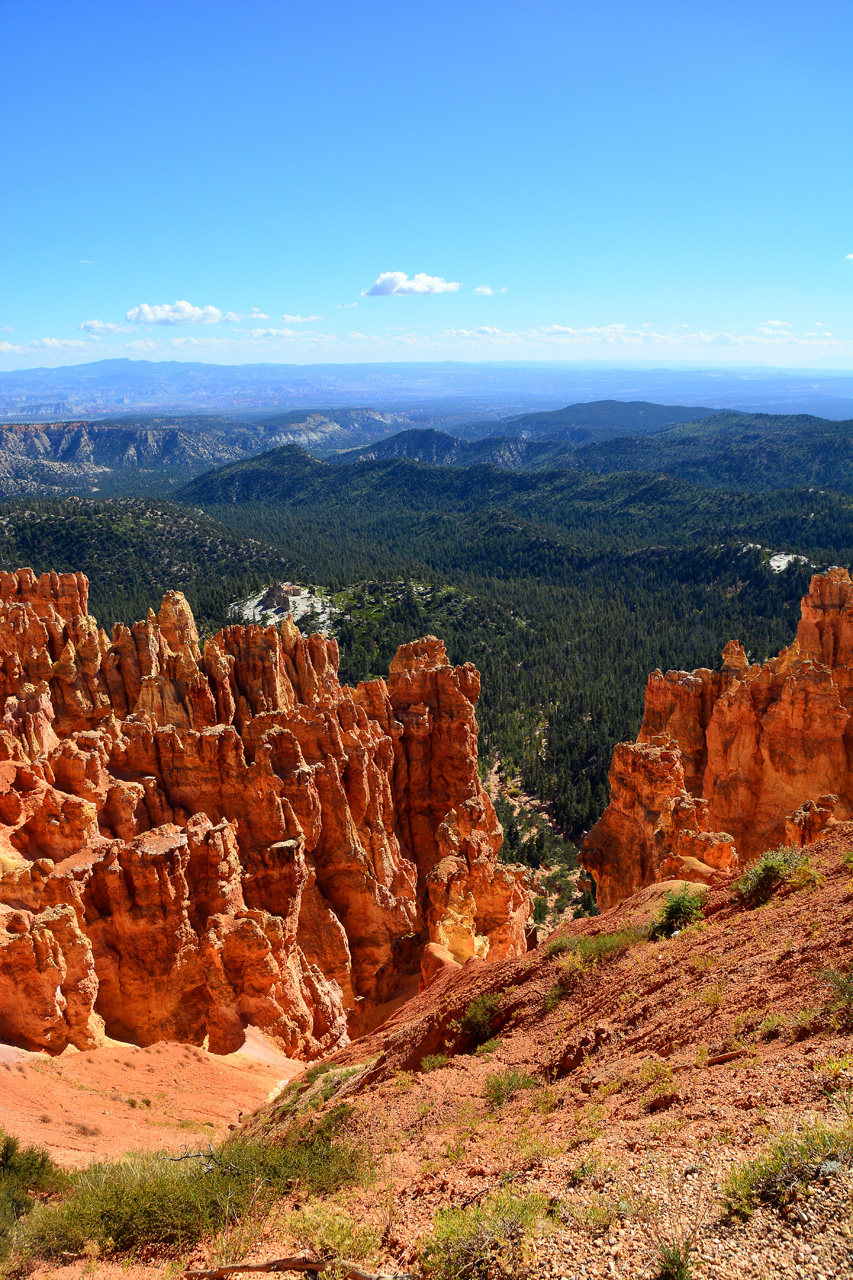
311,1266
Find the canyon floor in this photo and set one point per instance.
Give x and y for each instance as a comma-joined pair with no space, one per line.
617,1093
98,1105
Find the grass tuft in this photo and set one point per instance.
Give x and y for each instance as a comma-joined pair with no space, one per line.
841,988
434,1061
793,1160
500,1086
489,1046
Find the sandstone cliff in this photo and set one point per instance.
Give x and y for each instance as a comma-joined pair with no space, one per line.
193,841
729,763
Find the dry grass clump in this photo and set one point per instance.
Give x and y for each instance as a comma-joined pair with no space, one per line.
150,1198
793,1161
485,1241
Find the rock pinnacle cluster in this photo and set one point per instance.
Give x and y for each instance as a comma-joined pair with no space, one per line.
195,842
731,763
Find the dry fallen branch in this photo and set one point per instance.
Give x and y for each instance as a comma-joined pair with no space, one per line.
311,1266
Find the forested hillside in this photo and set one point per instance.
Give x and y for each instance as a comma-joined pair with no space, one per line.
748,451
133,550
565,588
599,420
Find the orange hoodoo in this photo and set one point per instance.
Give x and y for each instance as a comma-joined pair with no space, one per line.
733,762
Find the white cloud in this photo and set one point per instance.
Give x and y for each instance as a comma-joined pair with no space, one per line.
86,262
234,317
7,328
44,344
178,312
399,283
96,327
301,319
849,256
778,324
483,291
58,344
504,289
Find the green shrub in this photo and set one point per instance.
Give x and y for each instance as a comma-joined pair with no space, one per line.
433,1061
24,1173
681,907
793,1160
149,1198
552,998
675,1260
501,1085
600,946
558,947
485,1240
478,1017
483,1050
763,877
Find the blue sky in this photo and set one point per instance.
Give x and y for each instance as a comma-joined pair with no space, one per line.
555,180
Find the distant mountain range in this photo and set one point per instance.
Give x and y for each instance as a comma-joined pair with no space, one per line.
156,454
752,452
106,388
152,455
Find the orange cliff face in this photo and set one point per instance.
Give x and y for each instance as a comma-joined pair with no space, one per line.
192,842
733,762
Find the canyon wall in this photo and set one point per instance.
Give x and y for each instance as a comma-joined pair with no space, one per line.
193,841
730,763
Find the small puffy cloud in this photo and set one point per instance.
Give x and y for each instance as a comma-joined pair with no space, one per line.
86,262
7,328
234,317
483,291
397,282
300,319
849,256
178,312
97,327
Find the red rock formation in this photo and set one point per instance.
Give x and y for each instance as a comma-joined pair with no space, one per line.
733,762
192,842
